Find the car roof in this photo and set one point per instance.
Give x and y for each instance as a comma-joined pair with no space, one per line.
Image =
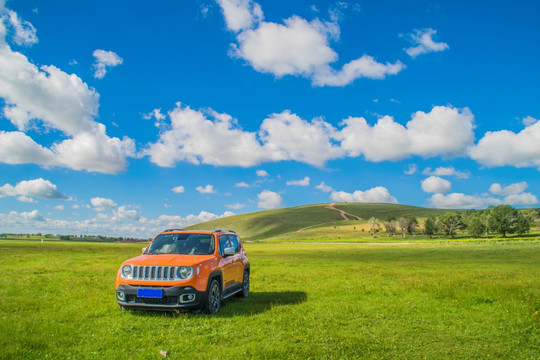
200,231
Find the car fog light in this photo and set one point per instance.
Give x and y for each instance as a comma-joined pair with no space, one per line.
121,295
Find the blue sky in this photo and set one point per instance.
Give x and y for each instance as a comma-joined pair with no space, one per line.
126,117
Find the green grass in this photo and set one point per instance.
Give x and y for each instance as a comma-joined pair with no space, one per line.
316,223
271,223
432,301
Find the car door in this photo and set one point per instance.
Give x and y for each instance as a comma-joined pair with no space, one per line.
227,264
238,264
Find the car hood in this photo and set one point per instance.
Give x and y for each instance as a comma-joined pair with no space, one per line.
168,260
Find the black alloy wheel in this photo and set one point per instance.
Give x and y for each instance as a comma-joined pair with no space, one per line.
213,300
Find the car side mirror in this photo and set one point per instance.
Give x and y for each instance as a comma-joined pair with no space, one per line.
229,251
143,250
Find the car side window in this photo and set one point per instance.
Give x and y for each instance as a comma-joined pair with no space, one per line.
223,243
235,243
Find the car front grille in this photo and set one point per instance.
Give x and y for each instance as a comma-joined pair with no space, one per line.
161,273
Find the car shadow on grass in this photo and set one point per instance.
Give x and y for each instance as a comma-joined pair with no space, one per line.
260,302
255,303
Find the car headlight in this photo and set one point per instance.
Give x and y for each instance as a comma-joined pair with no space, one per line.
184,272
127,271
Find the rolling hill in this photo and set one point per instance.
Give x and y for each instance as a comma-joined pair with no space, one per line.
294,222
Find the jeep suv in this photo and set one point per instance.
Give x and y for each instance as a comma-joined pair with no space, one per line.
185,270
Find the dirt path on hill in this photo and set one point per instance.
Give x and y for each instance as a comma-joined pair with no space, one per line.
343,215
342,212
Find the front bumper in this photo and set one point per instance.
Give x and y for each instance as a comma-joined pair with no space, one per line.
174,298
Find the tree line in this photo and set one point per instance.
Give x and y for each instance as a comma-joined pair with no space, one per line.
498,220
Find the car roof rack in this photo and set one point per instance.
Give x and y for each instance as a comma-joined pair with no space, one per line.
222,229
169,230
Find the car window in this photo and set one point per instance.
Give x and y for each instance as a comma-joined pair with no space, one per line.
223,243
235,243
185,244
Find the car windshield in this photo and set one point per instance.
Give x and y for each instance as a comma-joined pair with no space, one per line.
183,244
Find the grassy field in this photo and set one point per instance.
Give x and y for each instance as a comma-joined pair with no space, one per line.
432,301
319,223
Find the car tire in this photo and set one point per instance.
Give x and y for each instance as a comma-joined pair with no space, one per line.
213,298
245,285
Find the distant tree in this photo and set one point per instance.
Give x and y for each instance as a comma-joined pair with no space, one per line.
475,225
485,218
413,224
531,214
403,225
390,218
430,227
451,223
374,225
391,227
522,224
504,219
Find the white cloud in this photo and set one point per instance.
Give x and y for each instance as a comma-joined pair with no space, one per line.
323,187
460,201
50,98
506,148
175,221
446,171
178,189
444,131
105,59
412,169
18,148
529,120
241,184
102,204
262,173
435,184
195,138
205,137
36,188
236,206
60,207
23,220
95,151
525,199
269,200
288,137
303,182
364,67
123,212
512,189
102,224
423,43
208,189
296,47
24,32
377,194
26,199
240,14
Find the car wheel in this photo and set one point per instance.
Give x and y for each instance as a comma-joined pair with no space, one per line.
245,285
213,298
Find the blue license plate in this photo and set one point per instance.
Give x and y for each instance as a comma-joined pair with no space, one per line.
150,293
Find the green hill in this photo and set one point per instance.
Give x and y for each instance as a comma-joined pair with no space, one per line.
287,222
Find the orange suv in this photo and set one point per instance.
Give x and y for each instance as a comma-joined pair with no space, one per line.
185,270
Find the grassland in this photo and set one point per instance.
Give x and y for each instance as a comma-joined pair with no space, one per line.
433,301
324,223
